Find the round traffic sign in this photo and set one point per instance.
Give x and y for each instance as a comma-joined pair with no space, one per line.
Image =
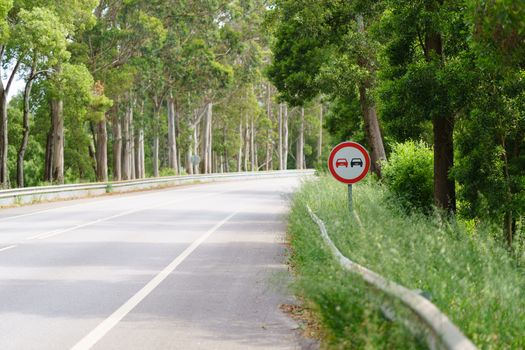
349,162
195,159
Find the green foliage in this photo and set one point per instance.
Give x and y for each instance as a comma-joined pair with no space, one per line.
5,7
167,172
343,120
40,32
450,262
409,175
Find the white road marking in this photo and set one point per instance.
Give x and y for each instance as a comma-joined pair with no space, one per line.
73,228
7,248
103,328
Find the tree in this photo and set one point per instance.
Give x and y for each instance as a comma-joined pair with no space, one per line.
41,40
491,134
426,77
325,46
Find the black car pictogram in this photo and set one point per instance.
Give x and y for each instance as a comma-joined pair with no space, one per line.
356,162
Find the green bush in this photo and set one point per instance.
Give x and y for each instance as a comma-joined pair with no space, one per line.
409,174
167,172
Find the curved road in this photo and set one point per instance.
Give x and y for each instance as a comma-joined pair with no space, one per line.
194,267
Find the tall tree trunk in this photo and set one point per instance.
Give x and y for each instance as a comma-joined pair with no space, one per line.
253,145
280,146
196,167
156,131
206,140
117,142
368,110
444,186
241,142
177,137
443,128
372,130
299,158
101,150
4,134
269,131
25,132
285,137
126,143
172,139
320,139
225,164
48,164
256,157
133,175
247,142
4,174
210,136
189,165
57,112
139,154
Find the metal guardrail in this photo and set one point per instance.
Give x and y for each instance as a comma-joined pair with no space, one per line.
441,332
46,193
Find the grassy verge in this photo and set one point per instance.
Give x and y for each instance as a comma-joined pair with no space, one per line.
468,275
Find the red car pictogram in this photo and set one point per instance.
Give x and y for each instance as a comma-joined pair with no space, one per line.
341,162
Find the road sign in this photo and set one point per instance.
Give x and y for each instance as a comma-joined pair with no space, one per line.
349,162
195,159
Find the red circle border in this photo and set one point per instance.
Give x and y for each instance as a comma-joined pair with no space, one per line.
331,161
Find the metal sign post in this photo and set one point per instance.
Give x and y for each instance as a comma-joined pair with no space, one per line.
350,204
349,163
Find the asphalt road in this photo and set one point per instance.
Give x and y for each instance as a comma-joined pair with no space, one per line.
194,267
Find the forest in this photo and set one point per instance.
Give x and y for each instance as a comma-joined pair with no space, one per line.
98,90
127,89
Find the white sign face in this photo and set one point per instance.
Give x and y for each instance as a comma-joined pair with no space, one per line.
195,159
349,162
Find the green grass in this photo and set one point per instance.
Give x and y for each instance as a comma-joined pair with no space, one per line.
469,276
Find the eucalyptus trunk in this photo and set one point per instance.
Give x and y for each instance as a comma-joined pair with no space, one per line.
241,141
117,143
285,137
299,158
443,128
139,154
247,153
48,163
207,139
172,137
189,165
4,131
372,130
57,115
156,131
368,111
280,145
196,169
253,146
269,131
126,143
132,145
25,131
4,175
101,150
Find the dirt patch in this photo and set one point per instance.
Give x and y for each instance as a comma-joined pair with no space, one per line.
308,324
